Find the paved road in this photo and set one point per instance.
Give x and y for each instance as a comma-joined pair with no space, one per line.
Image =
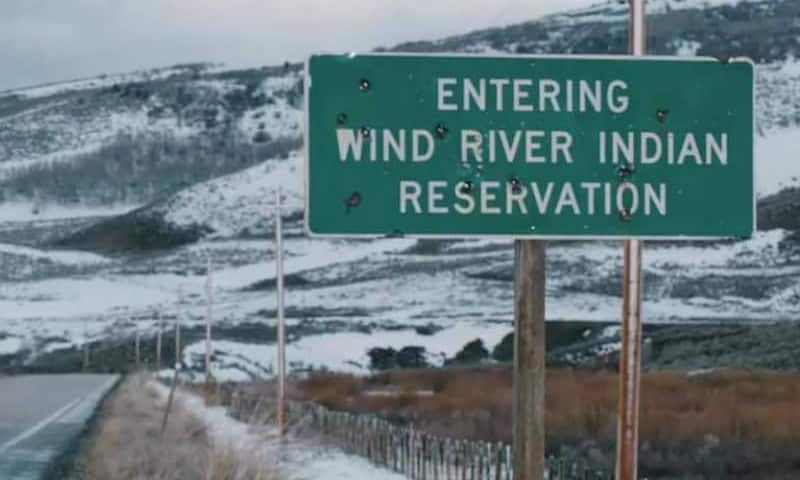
41,415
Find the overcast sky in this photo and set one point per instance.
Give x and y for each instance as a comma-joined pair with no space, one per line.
51,40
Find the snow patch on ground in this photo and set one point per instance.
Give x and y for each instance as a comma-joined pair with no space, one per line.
72,297
611,331
242,201
778,161
754,251
317,254
791,67
27,212
10,345
692,259
342,352
56,256
686,48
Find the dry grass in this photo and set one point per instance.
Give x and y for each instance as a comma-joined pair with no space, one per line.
128,445
731,406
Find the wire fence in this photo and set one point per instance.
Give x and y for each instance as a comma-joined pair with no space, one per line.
416,454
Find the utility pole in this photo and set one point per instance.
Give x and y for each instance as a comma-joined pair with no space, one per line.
177,345
85,346
158,341
138,358
209,302
175,378
178,335
631,352
280,320
529,360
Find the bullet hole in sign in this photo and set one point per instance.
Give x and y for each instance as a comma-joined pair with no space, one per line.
352,201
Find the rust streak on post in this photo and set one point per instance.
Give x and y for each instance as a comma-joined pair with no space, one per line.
631,352
529,358
630,363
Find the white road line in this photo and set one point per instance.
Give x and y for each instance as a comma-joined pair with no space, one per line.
90,402
39,426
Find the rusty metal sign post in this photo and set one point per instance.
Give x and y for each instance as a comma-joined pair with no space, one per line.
631,353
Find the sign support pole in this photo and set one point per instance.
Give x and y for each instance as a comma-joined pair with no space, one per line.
529,360
280,320
631,353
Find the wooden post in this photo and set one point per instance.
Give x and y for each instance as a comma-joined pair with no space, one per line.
85,347
177,368
138,358
209,303
86,357
178,356
630,355
177,347
280,320
529,366
158,342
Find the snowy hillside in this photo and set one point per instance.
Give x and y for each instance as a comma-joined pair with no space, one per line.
197,153
240,203
131,138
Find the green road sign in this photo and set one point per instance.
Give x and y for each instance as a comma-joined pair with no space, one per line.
521,146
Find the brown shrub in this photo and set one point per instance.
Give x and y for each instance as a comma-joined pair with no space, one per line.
477,403
127,444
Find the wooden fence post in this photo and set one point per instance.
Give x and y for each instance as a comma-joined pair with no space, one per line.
413,453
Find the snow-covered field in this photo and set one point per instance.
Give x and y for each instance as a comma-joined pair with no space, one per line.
344,297
349,297
343,352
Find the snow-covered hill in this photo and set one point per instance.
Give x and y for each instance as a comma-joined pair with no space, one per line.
131,138
205,149
241,203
